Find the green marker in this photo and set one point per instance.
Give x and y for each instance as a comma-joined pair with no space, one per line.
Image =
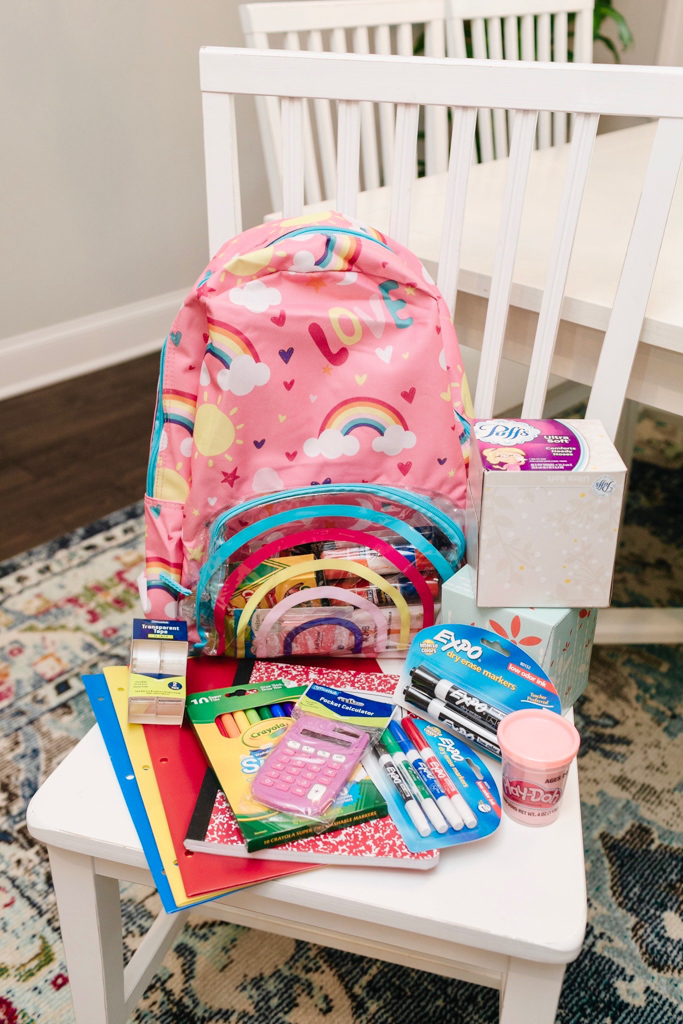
414,783
265,713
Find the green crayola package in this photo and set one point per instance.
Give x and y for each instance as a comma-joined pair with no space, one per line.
236,759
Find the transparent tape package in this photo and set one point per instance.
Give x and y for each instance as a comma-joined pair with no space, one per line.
329,570
307,774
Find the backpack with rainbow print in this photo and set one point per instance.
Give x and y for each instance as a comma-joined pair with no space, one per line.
307,468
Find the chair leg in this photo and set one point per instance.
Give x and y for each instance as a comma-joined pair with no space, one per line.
90,920
531,992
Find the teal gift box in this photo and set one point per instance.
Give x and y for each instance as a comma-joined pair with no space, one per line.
560,640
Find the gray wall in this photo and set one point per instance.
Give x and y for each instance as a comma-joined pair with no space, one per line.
102,167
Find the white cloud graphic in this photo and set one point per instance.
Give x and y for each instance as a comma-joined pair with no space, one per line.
256,296
266,480
186,447
204,375
331,444
395,439
303,263
243,376
163,441
442,359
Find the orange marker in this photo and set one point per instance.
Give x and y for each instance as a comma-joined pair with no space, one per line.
230,726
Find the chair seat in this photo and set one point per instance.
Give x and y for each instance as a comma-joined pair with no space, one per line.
520,893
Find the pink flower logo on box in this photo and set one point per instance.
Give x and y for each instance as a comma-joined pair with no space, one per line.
515,627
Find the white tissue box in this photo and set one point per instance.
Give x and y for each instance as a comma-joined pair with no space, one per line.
544,505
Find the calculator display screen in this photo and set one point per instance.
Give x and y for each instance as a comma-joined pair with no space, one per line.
325,738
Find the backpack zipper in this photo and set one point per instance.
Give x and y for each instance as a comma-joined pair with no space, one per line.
420,504
158,426
321,230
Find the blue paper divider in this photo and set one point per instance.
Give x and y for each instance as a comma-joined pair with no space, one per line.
100,698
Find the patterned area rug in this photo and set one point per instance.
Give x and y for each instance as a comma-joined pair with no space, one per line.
65,609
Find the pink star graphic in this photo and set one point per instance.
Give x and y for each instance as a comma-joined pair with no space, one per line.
229,478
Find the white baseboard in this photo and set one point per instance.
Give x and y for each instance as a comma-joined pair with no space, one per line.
70,349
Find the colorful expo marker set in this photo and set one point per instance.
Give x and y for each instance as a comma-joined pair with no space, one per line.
264,767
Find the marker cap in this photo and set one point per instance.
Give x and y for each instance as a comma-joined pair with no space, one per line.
422,674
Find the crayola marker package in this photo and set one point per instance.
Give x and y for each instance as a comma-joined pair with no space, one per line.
237,759
466,680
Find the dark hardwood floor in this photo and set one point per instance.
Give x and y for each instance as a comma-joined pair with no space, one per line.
74,451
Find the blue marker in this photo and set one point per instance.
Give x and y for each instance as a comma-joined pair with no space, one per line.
278,711
442,802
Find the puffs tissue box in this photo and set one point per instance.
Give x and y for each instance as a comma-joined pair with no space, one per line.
543,511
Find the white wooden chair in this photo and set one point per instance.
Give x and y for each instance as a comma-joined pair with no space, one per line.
497,29
514,931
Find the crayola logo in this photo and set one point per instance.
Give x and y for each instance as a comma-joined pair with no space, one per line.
265,733
526,795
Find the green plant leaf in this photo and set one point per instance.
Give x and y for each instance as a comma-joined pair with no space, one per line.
610,46
623,30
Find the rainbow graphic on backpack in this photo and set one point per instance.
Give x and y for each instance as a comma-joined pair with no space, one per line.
312,403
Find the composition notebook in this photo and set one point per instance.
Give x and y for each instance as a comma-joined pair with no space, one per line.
213,828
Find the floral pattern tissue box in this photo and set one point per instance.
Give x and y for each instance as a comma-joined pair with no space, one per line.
544,506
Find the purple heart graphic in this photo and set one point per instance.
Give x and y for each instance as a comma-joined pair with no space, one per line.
441,461
316,483
259,444
286,354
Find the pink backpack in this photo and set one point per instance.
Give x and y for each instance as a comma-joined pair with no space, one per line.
309,449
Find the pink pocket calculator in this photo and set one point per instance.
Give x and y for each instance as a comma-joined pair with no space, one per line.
310,766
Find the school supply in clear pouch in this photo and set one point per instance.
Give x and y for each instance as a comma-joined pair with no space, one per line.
308,771
438,790
374,555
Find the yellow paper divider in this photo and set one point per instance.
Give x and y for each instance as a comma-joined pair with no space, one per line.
138,751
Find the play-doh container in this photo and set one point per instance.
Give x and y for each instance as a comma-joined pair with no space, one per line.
537,749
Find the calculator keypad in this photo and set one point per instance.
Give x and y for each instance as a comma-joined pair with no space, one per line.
311,775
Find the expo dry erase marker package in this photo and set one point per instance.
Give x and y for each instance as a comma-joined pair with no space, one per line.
439,792
466,680
313,764
238,728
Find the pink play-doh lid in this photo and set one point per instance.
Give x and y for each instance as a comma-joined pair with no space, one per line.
538,739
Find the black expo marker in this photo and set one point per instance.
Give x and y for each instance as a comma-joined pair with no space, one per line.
442,713
479,711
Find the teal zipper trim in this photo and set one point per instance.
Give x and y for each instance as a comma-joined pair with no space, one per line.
323,230
158,426
384,491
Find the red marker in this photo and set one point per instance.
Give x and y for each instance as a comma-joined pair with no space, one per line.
439,772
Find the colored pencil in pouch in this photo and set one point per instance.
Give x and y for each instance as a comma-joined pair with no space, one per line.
440,773
414,782
436,791
412,808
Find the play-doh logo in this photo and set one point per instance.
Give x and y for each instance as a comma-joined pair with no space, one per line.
449,642
505,432
527,795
